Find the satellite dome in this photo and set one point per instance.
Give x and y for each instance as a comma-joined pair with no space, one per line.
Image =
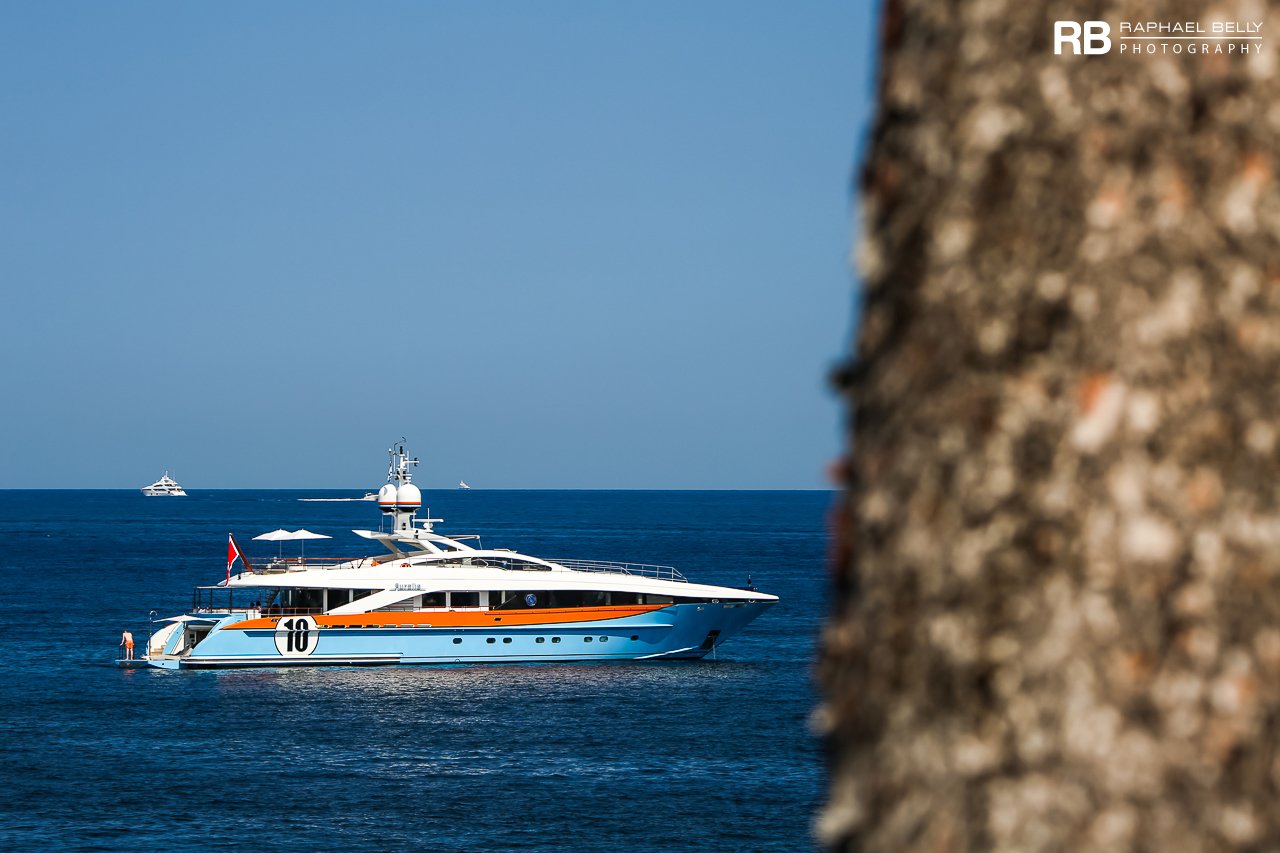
408,498
387,498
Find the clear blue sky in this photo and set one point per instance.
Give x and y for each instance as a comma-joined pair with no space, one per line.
555,244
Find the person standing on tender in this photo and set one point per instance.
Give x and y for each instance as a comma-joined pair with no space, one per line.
126,640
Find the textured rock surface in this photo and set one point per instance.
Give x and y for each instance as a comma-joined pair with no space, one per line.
1057,568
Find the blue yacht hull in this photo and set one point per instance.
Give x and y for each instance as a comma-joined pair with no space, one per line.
678,632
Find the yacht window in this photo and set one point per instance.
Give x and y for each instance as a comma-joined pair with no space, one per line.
555,639
587,639
307,599
491,640
580,598
496,599
431,599
339,597
526,599
624,598
464,599
506,639
634,638
357,594
457,640
541,640
564,598
649,598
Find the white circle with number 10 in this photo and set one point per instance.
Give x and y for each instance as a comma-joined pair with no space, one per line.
296,636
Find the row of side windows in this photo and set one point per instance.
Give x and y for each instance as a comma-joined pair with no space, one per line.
491,640
535,599
539,599
565,598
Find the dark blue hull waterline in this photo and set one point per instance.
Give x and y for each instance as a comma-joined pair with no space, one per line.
709,754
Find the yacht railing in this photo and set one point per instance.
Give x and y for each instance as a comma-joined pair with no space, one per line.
276,565
666,573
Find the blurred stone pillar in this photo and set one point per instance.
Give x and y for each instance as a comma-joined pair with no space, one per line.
1057,563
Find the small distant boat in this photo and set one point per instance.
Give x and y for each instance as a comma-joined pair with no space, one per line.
164,487
462,484
369,496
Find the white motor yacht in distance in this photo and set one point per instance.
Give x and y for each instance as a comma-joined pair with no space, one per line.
443,600
164,487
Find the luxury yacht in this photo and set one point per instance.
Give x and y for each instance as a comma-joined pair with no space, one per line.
433,599
165,486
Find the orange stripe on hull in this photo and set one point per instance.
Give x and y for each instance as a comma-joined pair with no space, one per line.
462,618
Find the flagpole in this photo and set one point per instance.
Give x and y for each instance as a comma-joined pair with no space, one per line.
234,553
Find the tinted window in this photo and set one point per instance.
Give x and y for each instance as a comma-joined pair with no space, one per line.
524,599
578,598
464,599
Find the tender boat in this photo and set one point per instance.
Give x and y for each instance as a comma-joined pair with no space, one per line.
434,599
164,487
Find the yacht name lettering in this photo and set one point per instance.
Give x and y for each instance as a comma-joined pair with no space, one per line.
408,587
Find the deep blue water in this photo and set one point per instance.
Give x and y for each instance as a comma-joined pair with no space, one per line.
677,755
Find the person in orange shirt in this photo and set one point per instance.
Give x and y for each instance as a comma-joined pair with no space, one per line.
126,640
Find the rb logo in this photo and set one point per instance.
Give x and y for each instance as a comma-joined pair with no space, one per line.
1096,37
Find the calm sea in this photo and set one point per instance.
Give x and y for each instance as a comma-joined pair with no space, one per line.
637,756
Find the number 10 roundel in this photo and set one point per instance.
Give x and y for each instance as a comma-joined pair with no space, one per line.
296,636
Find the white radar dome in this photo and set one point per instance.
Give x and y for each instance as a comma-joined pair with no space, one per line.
408,498
387,498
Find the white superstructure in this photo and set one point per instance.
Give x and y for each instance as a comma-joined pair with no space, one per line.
164,487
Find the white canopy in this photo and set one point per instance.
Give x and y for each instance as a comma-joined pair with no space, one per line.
281,535
307,534
276,535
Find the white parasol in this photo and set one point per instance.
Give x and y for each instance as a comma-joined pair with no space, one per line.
277,535
282,535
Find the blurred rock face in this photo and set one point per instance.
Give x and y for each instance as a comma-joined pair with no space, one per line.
1057,567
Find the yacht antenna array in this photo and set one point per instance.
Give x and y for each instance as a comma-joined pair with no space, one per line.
399,498
398,470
